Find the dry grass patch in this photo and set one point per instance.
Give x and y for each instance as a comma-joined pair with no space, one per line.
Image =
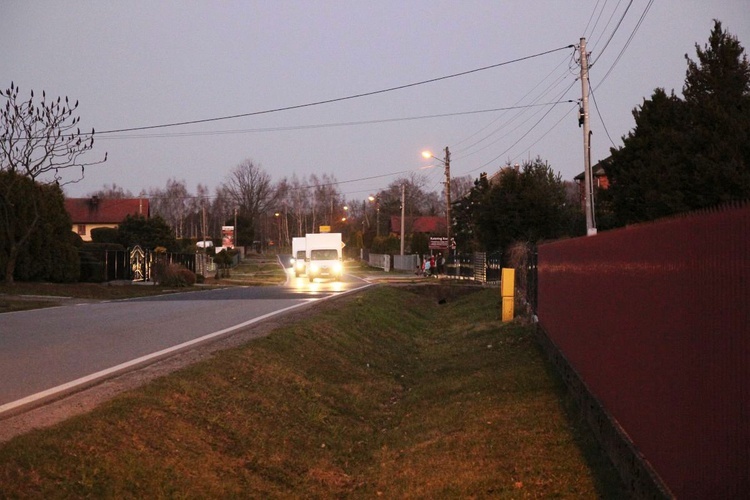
385,393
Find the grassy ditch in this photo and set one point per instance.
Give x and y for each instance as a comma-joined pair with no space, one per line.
386,393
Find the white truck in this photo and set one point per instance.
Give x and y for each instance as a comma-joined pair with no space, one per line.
323,252
299,256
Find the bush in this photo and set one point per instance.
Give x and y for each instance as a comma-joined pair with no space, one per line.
174,275
104,235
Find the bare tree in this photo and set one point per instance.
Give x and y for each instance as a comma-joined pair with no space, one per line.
113,192
35,139
461,186
171,204
249,188
299,202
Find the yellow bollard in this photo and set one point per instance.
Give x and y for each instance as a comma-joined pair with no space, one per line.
507,291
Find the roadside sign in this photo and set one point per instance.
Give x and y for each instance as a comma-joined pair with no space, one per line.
438,243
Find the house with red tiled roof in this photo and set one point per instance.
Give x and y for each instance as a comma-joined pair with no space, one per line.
598,178
427,224
92,213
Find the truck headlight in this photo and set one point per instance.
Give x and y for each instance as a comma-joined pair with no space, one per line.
338,268
314,268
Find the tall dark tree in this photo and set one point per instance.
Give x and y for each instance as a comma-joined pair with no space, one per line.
47,253
691,153
39,141
526,204
465,213
148,233
717,97
647,175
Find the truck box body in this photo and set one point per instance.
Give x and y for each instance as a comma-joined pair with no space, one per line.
298,255
324,255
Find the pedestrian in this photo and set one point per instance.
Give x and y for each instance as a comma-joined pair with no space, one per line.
433,268
427,267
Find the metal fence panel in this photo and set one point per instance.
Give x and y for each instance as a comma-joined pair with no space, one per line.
655,319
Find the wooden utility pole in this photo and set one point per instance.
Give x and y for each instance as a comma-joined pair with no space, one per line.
403,206
448,197
587,177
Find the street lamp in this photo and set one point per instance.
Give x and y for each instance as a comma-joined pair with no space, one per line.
277,215
376,199
447,163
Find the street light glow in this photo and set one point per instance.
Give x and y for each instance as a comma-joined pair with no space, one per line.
427,154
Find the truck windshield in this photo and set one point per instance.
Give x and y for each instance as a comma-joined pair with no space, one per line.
330,254
301,255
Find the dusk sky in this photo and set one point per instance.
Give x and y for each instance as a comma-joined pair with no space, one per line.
137,64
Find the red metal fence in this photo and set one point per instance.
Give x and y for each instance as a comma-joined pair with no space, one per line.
655,320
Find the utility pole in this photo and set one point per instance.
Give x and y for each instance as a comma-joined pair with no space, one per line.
235,238
403,206
448,197
587,177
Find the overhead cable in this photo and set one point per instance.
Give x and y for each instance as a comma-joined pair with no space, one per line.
338,99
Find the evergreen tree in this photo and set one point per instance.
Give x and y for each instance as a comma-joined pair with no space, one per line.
39,141
717,97
148,233
691,153
37,243
464,212
527,204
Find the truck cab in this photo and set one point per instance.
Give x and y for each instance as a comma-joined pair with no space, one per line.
299,256
324,256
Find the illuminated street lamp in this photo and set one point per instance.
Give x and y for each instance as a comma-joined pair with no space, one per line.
447,163
376,199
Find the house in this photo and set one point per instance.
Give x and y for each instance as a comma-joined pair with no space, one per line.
599,179
430,225
92,213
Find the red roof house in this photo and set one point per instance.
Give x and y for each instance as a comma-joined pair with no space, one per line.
432,225
599,180
92,213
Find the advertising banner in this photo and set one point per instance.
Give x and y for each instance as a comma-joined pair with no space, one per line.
227,237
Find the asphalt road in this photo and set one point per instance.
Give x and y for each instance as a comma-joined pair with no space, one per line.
45,352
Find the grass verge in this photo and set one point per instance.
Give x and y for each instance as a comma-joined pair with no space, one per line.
385,393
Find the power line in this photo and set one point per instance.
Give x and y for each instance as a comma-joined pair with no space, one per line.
617,27
596,106
565,115
517,115
524,135
319,125
627,44
593,28
338,99
455,148
591,17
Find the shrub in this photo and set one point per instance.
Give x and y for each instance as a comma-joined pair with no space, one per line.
104,235
175,275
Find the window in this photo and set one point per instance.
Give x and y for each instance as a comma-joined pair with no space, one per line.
82,229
